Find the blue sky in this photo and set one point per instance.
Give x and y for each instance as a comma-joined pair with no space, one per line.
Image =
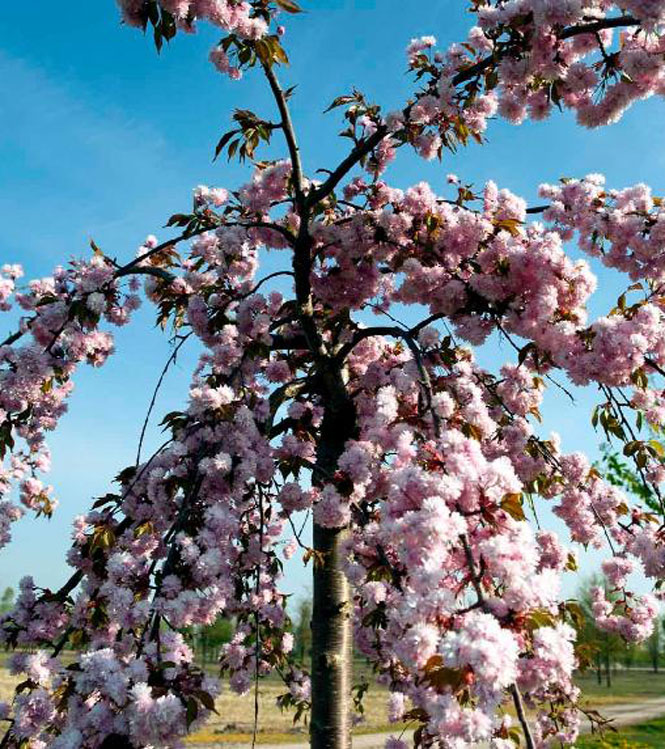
101,137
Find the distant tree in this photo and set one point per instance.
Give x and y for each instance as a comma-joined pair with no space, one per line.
630,652
210,639
654,644
303,630
7,601
596,646
630,478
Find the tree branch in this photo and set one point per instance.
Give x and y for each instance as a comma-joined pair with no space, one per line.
595,26
171,360
358,152
586,28
409,336
289,132
514,691
521,716
263,225
365,146
129,268
291,343
148,271
13,338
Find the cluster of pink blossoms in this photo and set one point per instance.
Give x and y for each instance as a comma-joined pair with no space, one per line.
245,20
625,229
174,509
526,57
445,573
8,277
230,15
58,330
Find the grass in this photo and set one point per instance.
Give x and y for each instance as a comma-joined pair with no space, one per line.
639,736
276,727
625,686
235,721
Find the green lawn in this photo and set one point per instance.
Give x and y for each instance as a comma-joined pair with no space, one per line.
638,736
626,686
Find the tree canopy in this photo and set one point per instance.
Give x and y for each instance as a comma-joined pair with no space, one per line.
422,471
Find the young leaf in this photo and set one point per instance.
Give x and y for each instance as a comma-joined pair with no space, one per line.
512,504
223,141
289,6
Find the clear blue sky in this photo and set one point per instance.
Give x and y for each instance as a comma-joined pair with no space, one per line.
101,137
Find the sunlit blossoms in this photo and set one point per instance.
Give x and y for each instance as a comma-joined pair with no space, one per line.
59,330
525,58
342,389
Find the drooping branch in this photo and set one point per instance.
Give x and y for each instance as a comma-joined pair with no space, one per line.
160,273
171,360
521,716
514,691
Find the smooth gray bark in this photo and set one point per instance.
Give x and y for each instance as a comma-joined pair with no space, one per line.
332,637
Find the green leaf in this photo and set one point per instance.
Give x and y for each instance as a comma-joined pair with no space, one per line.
511,225
223,141
631,447
179,219
233,147
524,352
340,101
289,6
540,618
440,676
263,51
192,710
207,700
278,53
168,25
244,54
153,12
96,249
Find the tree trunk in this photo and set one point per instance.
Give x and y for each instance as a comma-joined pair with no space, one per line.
608,671
332,637
331,645
332,648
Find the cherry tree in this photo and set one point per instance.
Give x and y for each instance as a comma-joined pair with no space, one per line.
422,472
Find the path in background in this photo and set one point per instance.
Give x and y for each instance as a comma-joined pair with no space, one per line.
633,712
621,715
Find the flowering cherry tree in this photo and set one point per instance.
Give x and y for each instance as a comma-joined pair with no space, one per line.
421,470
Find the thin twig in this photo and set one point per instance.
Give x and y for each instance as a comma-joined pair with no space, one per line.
171,360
